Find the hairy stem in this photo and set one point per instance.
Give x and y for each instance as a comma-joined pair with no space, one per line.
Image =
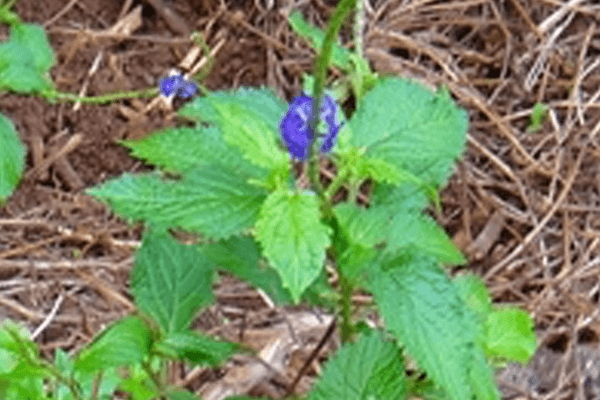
344,7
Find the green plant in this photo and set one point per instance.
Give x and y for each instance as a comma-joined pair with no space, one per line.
537,117
228,177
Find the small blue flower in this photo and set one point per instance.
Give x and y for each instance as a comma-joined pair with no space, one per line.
178,86
295,125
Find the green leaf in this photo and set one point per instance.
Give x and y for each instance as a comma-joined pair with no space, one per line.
249,120
424,311
536,119
510,335
410,128
139,385
241,257
196,348
293,238
26,388
26,59
171,281
396,217
124,343
214,202
183,149
181,395
473,291
12,158
340,56
481,378
368,369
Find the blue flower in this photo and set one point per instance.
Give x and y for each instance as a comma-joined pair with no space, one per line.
178,86
295,125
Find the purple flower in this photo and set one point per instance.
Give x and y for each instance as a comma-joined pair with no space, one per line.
295,125
178,86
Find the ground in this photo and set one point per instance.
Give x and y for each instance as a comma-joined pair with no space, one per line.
523,204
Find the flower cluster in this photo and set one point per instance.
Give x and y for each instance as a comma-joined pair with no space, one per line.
178,86
295,126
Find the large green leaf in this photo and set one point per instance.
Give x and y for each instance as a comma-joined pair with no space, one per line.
423,309
395,217
125,342
407,126
241,257
249,120
183,149
196,348
215,202
293,238
12,158
369,369
171,281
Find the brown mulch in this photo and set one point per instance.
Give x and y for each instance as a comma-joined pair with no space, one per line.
522,205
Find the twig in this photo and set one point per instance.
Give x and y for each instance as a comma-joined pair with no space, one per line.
312,356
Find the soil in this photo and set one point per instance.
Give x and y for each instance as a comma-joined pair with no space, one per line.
522,205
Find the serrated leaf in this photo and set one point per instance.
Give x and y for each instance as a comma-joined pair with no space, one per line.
410,227
196,348
396,217
241,257
124,343
482,380
340,56
424,311
249,120
412,129
171,281
25,59
214,202
474,293
184,149
510,335
12,158
293,238
368,369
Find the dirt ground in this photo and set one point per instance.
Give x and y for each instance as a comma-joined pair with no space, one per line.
524,206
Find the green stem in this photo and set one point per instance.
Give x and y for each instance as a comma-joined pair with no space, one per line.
102,99
346,289
344,7
354,188
337,183
154,376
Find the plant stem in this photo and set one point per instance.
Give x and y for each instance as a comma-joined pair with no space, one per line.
106,98
346,327
337,183
359,25
344,7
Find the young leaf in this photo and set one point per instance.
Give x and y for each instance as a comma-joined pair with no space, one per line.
26,59
340,56
410,128
196,348
368,369
12,158
293,238
423,309
124,343
139,385
170,281
510,334
249,120
183,149
473,291
215,202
